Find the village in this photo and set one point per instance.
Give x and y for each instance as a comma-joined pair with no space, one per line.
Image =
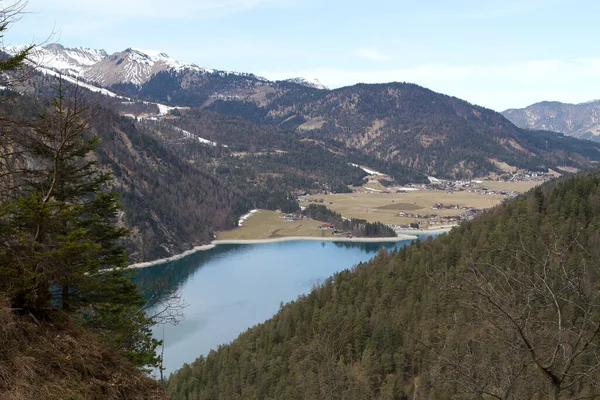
478,186
409,209
434,205
426,220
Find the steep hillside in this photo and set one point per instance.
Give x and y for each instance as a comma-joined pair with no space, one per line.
172,198
55,359
178,188
171,203
418,128
399,123
578,120
505,306
261,145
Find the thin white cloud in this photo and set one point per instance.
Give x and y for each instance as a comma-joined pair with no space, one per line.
174,9
370,53
497,86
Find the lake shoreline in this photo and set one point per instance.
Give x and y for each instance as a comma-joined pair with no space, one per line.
436,231
214,243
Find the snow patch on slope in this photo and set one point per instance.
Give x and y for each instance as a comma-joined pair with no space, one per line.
368,170
70,61
78,82
196,137
245,217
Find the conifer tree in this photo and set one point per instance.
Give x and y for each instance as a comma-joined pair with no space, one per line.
8,15
59,237
62,237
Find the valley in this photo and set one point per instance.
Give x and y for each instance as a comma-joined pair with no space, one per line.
431,209
257,238
238,162
177,135
430,206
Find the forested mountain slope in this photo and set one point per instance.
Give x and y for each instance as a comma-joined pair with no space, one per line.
506,306
398,123
178,192
430,132
170,204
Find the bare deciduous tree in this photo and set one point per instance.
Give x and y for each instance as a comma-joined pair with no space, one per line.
534,323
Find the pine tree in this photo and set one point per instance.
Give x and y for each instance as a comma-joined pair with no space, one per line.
9,14
63,239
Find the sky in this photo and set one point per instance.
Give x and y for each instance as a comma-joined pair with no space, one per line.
498,54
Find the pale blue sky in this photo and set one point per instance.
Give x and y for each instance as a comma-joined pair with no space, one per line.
498,54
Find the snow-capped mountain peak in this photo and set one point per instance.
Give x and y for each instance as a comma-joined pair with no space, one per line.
128,66
135,66
310,82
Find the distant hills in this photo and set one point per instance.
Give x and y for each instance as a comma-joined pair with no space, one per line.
578,120
418,128
396,123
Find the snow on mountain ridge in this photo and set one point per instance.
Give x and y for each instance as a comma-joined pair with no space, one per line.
310,82
70,61
135,66
130,66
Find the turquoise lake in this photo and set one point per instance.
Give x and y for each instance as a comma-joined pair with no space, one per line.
231,288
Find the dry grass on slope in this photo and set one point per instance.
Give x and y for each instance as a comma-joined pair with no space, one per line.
56,359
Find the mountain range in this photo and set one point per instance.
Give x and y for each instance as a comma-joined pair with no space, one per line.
396,122
194,148
578,120
130,66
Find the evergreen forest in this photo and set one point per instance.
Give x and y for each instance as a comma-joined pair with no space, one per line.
352,226
506,306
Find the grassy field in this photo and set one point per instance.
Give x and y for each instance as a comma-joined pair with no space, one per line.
385,207
374,206
521,186
269,224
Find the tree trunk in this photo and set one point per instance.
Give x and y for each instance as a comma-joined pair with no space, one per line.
65,297
555,391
